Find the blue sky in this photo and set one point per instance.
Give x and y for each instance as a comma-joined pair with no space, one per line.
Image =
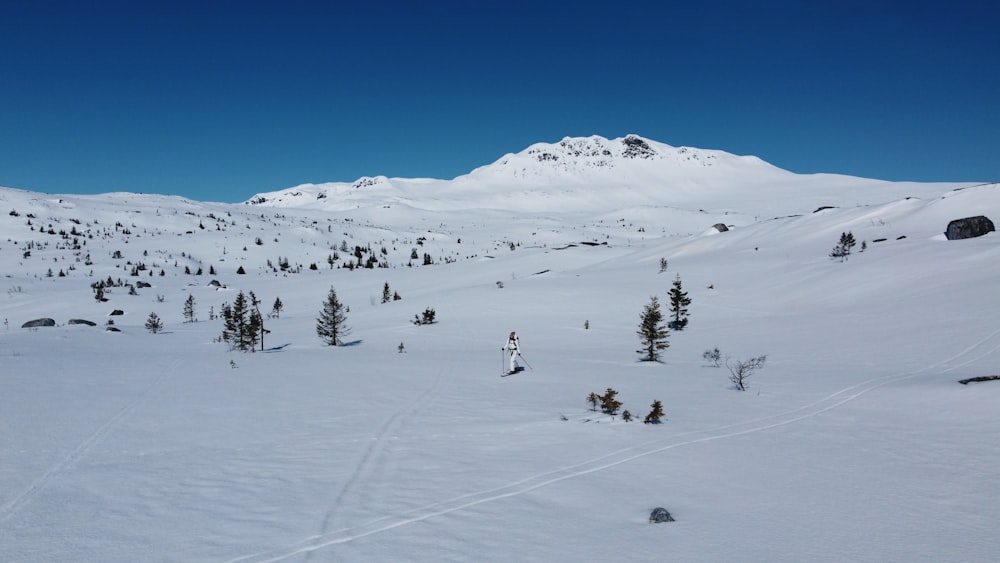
217,101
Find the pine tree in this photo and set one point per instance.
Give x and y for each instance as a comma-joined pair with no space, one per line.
153,323
228,326
609,402
386,293
255,330
331,324
655,414
189,309
241,314
679,302
652,333
277,307
844,246
237,329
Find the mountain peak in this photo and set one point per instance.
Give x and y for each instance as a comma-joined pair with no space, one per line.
594,150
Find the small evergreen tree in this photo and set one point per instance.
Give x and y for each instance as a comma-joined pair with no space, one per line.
256,328
332,321
386,293
844,246
609,402
153,323
679,302
241,317
99,291
426,318
239,329
189,309
652,333
277,307
655,414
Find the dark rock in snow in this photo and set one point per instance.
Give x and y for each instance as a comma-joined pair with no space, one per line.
660,515
117,312
979,379
969,227
39,322
720,227
82,322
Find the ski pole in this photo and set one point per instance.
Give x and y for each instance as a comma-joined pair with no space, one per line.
519,355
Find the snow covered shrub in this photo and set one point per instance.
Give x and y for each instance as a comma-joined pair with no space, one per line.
714,356
740,370
593,399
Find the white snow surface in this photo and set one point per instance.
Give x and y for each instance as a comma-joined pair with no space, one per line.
854,442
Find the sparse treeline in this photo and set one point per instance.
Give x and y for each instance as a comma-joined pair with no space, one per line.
74,235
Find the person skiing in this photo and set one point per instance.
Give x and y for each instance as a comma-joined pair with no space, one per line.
514,347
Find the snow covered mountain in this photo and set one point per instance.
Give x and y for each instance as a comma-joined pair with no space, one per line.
595,175
853,443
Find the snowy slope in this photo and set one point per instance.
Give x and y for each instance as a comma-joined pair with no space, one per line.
853,443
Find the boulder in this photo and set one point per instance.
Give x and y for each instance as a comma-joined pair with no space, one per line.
969,227
117,312
721,227
39,322
82,322
660,515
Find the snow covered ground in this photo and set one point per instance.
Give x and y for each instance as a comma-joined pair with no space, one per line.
854,443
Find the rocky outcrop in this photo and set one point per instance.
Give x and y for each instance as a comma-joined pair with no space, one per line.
39,322
659,515
969,227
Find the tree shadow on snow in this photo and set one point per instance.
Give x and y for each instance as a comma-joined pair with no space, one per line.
351,343
277,348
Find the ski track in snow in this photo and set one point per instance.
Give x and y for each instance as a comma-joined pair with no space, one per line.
600,463
370,460
19,501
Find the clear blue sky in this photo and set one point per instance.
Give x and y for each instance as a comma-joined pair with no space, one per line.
218,101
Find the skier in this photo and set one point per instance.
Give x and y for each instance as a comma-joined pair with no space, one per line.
514,347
